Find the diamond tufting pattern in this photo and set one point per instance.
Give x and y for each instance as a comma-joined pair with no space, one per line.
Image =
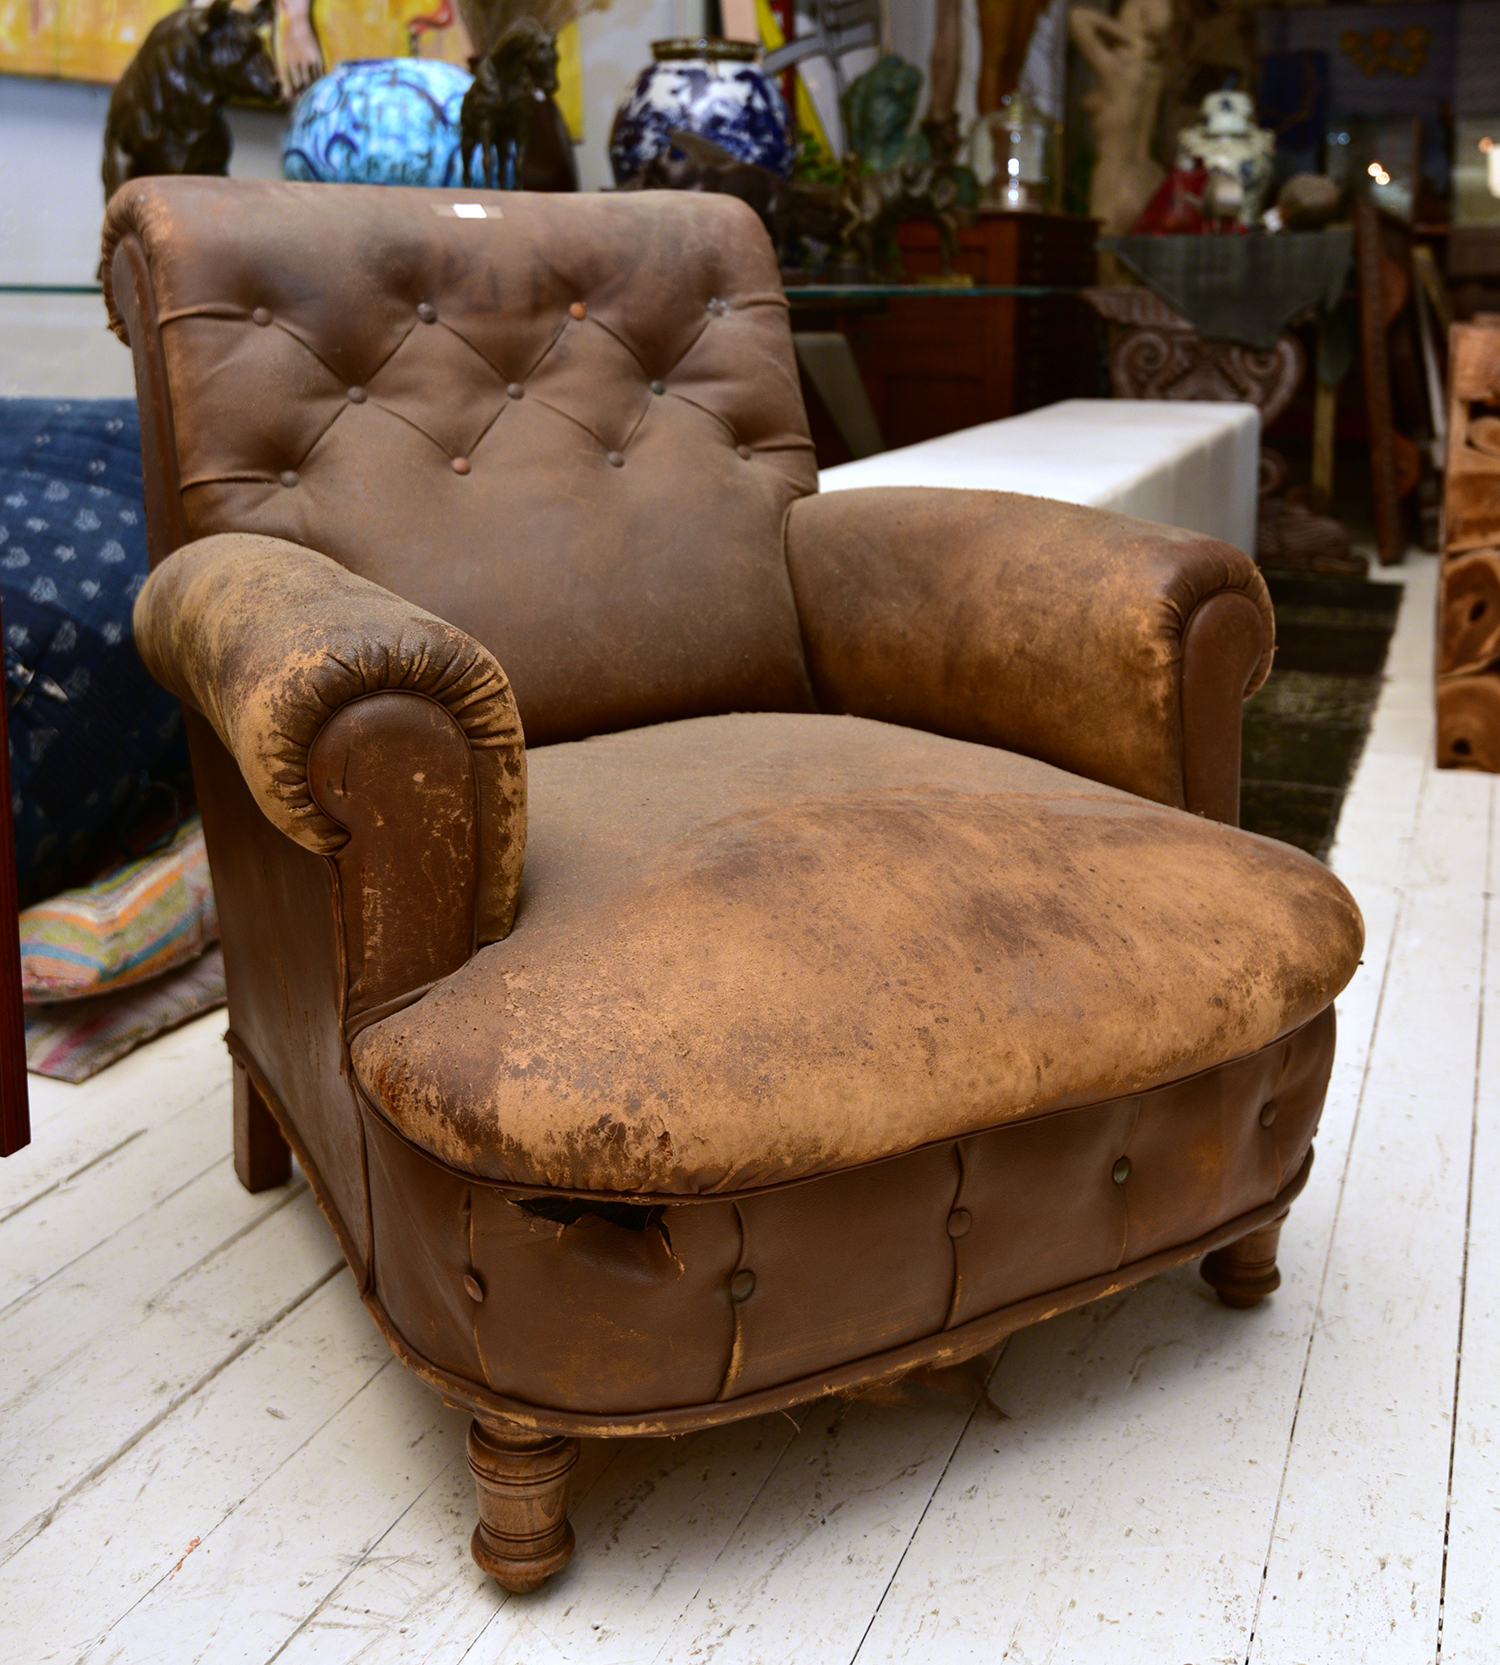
572,429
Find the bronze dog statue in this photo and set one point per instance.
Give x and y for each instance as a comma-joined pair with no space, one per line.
166,114
872,205
498,109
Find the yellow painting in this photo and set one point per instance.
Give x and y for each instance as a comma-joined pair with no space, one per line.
93,40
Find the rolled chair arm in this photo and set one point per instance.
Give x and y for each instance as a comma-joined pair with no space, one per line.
1116,649
365,729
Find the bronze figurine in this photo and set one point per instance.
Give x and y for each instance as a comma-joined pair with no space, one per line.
166,114
872,205
500,107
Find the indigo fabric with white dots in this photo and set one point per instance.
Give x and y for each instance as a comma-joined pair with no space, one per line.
89,729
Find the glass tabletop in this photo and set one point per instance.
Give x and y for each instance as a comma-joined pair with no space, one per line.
923,291
794,291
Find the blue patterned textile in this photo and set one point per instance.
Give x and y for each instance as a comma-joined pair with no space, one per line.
89,729
736,105
379,121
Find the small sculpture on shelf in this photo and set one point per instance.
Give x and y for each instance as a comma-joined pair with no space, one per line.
1129,54
790,210
166,114
420,121
1236,154
498,109
872,205
877,111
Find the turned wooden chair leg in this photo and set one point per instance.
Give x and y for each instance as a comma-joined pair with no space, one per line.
1244,1273
262,1158
524,1535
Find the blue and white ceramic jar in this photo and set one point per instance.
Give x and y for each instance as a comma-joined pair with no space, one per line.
714,88
379,121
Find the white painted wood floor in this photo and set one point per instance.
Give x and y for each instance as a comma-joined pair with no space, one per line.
206,1452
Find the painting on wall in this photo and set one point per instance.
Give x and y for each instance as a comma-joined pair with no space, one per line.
93,40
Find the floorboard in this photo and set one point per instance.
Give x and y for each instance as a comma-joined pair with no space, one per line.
1471,1573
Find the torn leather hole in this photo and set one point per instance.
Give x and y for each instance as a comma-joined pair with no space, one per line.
567,1211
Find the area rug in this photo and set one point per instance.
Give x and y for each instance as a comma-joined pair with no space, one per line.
74,1039
1304,731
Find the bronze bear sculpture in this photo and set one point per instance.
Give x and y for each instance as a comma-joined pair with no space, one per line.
166,114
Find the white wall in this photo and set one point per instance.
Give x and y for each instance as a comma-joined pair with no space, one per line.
51,197
616,47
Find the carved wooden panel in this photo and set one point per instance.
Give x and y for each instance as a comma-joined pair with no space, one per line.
1155,353
1468,649
1471,506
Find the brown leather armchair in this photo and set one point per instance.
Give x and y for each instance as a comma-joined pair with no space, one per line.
885,971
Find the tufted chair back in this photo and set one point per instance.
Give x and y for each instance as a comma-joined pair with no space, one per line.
570,425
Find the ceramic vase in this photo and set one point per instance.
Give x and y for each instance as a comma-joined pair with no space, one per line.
711,87
379,121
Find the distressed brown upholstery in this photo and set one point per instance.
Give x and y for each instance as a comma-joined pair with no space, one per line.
861,962
831,941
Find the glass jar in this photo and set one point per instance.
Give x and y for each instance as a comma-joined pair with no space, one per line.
1013,151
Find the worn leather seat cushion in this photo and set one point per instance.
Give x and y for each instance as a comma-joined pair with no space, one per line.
755,948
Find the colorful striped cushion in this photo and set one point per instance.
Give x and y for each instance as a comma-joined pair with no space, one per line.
142,919
75,1039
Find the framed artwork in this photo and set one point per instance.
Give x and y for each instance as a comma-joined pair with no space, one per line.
93,40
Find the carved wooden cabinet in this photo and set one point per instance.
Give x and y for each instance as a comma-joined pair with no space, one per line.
1156,353
1468,647
939,362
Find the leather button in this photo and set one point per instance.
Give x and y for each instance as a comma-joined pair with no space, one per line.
460,465
1121,1170
515,391
474,1284
658,387
356,395
745,452
616,460
1268,1114
261,316
427,312
579,310
742,1285
289,476
959,1222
